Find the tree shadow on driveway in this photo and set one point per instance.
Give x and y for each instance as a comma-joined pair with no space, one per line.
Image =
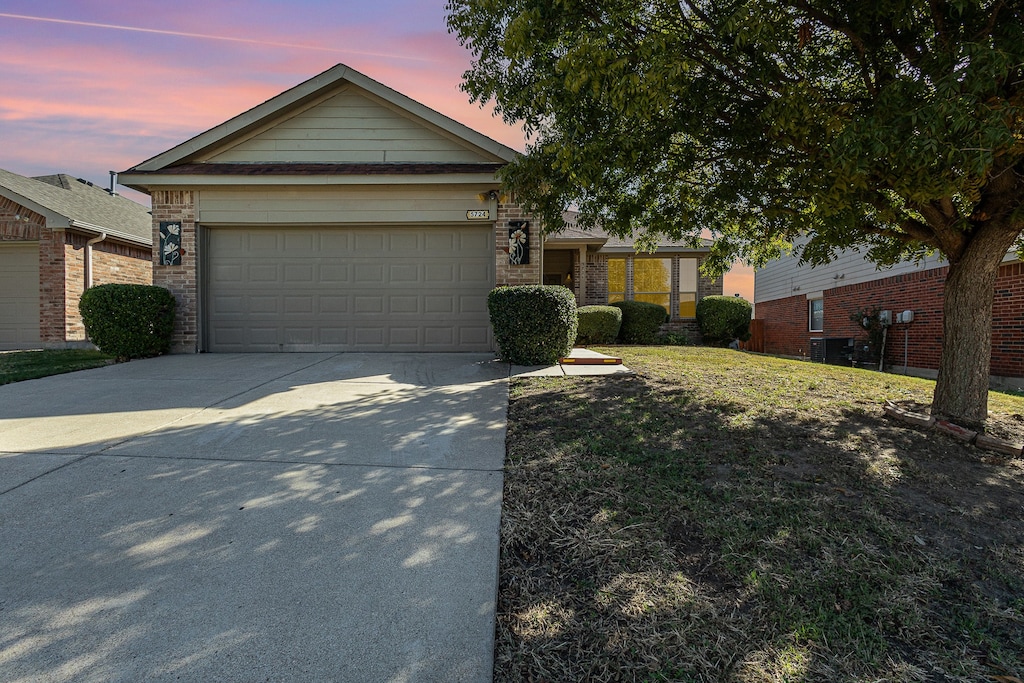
307,529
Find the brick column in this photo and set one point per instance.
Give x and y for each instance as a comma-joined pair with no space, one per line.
705,285
74,285
581,276
596,292
52,293
179,205
505,273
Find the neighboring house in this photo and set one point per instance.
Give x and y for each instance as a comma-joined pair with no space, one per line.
58,234
615,271
343,216
808,312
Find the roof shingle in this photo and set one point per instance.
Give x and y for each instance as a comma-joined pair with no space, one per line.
82,202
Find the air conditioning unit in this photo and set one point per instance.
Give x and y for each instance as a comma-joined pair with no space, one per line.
818,349
839,350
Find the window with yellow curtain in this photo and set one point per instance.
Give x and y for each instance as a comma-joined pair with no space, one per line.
652,280
616,280
688,288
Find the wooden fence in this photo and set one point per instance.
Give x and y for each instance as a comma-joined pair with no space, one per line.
756,341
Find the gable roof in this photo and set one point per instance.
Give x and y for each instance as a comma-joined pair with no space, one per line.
67,202
293,101
605,242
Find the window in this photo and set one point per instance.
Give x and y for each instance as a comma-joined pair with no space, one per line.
652,280
616,280
638,278
817,315
687,288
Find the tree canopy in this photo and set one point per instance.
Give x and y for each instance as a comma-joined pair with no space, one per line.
894,126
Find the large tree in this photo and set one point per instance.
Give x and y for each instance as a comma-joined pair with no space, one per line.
893,126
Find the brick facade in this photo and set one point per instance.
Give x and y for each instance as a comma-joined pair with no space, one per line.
18,224
597,279
787,324
179,205
53,299
112,263
180,280
504,272
597,289
62,270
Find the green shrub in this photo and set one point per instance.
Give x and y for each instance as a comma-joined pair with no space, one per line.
598,324
128,321
723,318
640,321
674,339
533,324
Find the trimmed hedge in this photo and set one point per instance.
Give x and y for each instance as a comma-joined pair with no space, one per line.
723,318
533,324
128,321
641,321
598,324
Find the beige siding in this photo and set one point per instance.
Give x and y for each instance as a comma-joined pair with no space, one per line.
19,295
351,127
784,277
338,205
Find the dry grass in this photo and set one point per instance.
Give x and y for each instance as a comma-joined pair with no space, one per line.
728,517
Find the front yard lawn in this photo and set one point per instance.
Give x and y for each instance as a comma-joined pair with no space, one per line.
729,517
16,366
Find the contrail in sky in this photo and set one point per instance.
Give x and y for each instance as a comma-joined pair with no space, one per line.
205,36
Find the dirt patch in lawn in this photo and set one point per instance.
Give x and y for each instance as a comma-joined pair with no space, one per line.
727,517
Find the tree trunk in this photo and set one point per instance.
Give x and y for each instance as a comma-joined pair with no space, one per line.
961,393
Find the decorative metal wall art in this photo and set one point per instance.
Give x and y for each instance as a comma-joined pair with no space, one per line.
518,243
170,243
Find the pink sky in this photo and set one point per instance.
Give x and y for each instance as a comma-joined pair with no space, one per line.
94,86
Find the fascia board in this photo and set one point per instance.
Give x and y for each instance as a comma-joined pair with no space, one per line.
661,250
244,120
147,182
280,103
576,244
110,233
54,219
431,116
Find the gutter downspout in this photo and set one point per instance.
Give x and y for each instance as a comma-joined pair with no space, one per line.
88,257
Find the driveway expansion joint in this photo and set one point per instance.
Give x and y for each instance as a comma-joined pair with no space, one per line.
198,458
378,565
46,473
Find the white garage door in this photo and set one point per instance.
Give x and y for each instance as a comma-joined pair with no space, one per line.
349,289
19,295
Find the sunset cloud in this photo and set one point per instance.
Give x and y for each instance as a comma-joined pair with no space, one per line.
98,85
207,36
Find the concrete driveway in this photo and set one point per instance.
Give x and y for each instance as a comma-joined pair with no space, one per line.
286,517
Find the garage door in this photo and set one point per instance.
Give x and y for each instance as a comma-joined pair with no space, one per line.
19,296
349,289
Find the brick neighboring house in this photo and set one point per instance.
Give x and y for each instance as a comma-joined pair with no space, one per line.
58,233
342,215
807,312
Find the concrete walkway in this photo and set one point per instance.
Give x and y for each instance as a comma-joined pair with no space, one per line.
287,517
570,370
